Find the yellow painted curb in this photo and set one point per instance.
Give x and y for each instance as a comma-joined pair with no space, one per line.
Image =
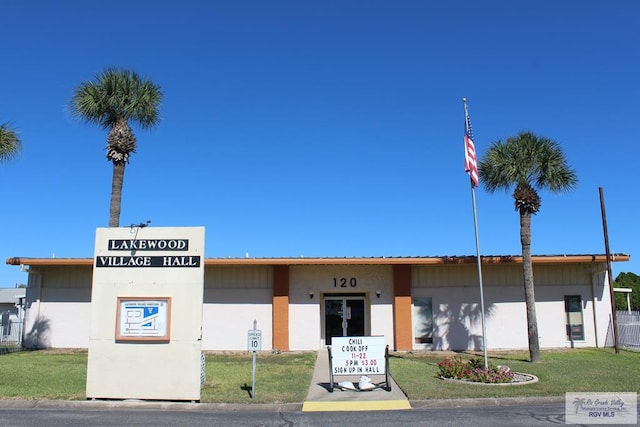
379,405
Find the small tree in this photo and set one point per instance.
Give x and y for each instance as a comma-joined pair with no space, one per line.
111,101
629,281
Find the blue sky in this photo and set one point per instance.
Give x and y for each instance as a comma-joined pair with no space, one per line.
326,128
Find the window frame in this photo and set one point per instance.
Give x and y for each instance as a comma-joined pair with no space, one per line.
571,328
428,341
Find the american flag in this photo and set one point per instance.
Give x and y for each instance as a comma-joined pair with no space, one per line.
470,164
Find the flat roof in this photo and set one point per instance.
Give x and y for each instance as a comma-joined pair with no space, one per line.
411,260
11,295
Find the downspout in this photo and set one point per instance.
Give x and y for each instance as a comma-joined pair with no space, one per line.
35,278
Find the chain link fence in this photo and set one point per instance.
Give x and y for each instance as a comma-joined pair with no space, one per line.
11,328
629,329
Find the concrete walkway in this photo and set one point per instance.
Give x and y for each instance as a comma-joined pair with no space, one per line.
319,398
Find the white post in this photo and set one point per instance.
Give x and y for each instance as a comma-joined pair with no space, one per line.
253,377
484,330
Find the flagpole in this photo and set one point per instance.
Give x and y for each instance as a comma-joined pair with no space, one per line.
475,225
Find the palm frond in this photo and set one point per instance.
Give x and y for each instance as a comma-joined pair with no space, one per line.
10,144
115,95
526,159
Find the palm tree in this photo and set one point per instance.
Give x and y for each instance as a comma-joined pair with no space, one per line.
527,162
10,144
111,101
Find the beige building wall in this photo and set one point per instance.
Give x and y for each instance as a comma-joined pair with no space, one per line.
307,314
455,294
58,312
234,297
58,306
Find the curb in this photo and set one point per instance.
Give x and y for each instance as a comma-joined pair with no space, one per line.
143,404
484,402
271,407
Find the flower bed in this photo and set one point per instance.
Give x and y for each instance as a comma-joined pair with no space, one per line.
474,371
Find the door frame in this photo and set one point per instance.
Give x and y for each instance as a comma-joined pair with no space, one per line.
360,296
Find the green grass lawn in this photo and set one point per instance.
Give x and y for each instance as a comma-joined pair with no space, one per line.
61,374
285,378
281,378
50,374
560,371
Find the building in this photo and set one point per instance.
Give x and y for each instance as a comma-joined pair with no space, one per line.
11,313
300,303
11,300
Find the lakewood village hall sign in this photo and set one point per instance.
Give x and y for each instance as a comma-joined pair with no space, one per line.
148,245
146,314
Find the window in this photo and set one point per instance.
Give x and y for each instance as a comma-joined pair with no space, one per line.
422,321
573,311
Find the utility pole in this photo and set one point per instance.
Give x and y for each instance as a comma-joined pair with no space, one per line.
608,253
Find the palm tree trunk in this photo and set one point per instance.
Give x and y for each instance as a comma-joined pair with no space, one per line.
529,294
116,194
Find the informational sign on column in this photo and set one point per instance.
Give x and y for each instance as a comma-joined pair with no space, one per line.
143,319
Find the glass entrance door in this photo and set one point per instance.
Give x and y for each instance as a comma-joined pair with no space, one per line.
344,316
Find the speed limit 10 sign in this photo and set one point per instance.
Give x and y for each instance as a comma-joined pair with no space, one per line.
254,340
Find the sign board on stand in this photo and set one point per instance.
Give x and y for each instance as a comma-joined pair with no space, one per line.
359,356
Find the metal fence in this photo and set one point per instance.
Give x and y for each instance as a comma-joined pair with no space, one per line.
10,332
629,329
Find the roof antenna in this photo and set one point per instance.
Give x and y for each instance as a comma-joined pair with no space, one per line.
141,225
137,228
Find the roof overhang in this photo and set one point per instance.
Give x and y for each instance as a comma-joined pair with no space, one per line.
418,260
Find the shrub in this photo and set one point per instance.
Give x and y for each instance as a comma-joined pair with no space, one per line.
476,362
452,367
473,370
